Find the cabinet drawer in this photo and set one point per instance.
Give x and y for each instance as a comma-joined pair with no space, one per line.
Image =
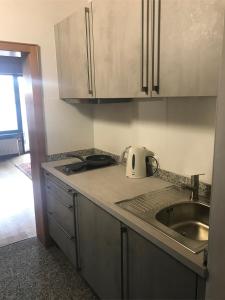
56,180
63,214
61,193
63,240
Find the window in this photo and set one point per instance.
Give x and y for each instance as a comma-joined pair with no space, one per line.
10,53
10,120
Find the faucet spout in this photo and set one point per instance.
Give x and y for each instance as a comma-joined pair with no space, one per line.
195,187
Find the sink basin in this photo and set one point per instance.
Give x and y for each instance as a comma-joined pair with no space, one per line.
190,219
171,211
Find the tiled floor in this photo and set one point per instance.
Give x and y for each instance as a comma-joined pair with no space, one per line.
30,272
20,159
17,221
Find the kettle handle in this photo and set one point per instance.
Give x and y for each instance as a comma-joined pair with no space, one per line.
123,154
157,163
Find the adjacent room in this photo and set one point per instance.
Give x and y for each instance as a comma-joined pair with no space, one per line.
17,220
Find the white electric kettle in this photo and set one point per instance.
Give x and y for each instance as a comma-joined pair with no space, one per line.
139,162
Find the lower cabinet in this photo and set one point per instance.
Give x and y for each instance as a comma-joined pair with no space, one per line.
117,262
61,216
153,274
99,248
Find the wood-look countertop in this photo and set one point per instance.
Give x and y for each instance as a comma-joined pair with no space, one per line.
106,186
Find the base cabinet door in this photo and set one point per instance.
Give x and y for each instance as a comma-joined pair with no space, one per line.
99,249
153,274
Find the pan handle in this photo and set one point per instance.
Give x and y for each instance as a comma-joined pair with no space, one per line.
123,154
76,156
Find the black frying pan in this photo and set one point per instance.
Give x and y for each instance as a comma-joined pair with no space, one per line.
99,160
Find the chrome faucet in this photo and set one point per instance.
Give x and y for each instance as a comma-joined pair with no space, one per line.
194,187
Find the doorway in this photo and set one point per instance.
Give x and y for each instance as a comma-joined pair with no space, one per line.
35,140
17,218
13,114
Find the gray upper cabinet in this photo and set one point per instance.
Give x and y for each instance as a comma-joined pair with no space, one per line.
122,39
187,46
140,48
74,51
103,50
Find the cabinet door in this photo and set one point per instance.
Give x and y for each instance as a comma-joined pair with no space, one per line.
122,39
153,274
191,33
100,252
74,50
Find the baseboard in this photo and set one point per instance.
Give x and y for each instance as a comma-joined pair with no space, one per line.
8,156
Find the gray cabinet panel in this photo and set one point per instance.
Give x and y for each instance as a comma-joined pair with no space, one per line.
119,47
62,239
100,251
201,289
71,51
63,195
63,214
153,274
191,33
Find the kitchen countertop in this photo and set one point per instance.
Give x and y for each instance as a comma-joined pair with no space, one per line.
106,186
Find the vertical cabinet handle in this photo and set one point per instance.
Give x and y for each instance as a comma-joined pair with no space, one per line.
156,45
145,46
124,262
77,237
89,50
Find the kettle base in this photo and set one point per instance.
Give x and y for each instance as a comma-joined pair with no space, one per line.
136,177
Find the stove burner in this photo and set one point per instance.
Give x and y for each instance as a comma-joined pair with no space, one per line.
74,167
83,166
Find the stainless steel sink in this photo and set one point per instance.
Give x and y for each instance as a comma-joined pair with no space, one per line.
171,211
190,219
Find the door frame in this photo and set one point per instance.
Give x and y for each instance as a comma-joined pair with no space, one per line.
36,127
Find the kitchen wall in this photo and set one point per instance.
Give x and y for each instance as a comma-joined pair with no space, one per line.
179,131
31,21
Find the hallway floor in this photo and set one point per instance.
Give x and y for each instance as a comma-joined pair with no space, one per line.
29,271
17,220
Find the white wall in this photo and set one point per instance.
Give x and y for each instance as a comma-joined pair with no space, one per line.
179,131
31,21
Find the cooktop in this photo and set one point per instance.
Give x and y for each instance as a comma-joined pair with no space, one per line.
90,163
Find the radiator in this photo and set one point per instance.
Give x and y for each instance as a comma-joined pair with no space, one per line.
9,146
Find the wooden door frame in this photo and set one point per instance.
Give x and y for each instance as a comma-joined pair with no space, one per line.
36,127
